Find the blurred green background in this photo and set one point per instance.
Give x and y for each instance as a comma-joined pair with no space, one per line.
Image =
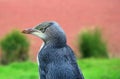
91,68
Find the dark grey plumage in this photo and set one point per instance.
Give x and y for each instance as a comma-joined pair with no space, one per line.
56,58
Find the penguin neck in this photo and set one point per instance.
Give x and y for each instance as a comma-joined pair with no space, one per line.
56,42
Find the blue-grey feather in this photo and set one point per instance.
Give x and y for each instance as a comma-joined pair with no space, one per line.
58,63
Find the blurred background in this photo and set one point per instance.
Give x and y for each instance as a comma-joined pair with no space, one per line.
78,18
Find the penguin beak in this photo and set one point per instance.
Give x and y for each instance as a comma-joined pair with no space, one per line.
34,32
29,31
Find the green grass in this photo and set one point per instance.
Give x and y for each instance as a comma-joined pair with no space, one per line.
24,70
100,68
91,68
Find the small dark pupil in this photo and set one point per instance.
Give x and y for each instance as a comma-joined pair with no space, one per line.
46,26
41,28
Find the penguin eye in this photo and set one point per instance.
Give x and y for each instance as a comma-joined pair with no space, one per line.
42,30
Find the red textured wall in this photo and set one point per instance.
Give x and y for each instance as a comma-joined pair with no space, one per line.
73,15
